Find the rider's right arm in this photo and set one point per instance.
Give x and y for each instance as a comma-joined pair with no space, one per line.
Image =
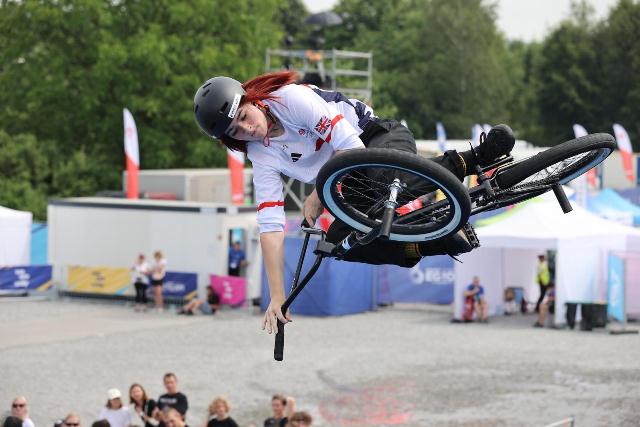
272,244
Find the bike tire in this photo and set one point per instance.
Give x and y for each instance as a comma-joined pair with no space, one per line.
593,149
341,170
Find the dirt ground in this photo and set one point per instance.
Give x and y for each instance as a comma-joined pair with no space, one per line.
401,365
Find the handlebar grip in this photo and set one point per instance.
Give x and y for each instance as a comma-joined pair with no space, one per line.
278,349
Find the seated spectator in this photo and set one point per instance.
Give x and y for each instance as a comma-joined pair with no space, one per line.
546,306
475,291
71,420
219,413
115,412
20,409
142,405
12,421
510,304
173,398
282,408
300,419
173,418
210,306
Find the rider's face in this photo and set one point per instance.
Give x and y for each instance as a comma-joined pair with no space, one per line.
249,124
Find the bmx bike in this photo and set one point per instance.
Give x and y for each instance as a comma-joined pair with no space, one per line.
370,191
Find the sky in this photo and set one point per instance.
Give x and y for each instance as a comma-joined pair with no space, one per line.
526,20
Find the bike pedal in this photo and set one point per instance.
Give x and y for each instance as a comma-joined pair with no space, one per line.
470,234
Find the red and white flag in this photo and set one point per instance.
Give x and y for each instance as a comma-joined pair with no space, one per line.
131,154
235,161
624,144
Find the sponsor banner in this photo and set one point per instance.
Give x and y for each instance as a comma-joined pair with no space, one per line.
615,288
99,280
231,290
179,284
31,278
431,280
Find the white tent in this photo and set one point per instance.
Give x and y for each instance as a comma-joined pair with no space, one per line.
15,237
510,245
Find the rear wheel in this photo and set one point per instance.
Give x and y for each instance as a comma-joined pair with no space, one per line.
354,185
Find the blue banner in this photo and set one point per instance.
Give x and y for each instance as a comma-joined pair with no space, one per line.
179,284
615,285
431,280
25,278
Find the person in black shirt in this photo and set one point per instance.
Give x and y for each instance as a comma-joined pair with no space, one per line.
173,398
142,405
219,413
282,408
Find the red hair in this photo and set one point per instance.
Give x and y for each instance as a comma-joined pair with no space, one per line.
258,89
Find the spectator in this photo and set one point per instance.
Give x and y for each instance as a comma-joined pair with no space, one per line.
115,412
173,398
158,272
210,306
20,409
140,282
12,421
300,419
101,423
142,405
237,259
542,278
219,413
71,420
476,291
547,305
173,418
281,409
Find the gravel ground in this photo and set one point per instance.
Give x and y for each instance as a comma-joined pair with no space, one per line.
403,365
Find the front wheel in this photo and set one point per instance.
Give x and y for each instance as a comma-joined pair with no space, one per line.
354,186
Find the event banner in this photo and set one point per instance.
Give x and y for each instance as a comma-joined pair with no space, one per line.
615,285
99,280
231,290
181,285
118,281
25,278
431,280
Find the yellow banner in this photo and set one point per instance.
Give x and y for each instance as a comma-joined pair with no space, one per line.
99,280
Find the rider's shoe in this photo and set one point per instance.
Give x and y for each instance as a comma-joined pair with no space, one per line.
499,142
465,240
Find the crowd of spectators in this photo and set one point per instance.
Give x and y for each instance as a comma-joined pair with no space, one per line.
169,410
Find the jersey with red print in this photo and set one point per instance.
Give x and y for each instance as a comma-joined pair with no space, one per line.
316,124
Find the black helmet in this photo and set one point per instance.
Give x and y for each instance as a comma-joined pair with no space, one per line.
216,103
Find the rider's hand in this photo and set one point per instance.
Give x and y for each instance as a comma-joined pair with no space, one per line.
312,208
273,314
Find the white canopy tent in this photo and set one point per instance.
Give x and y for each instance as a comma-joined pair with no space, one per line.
15,237
510,245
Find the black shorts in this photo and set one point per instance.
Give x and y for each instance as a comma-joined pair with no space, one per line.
157,282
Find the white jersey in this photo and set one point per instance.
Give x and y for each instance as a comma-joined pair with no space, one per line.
316,124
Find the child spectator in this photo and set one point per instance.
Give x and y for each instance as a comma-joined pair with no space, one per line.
219,413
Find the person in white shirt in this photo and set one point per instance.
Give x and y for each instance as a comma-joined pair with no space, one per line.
141,272
158,271
294,130
20,409
115,412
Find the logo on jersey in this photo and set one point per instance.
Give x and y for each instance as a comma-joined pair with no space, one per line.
295,157
323,125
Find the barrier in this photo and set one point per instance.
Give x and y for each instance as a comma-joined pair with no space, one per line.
23,279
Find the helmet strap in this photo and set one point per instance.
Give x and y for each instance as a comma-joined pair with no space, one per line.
271,120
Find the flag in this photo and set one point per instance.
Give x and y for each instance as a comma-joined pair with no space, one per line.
235,161
592,174
131,154
476,130
624,144
442,136
579,184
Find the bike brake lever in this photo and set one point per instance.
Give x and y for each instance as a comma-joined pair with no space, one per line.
306,228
